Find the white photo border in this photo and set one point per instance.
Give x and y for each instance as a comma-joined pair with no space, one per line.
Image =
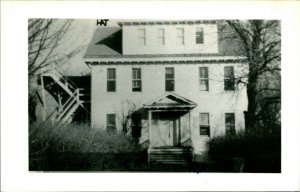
14,103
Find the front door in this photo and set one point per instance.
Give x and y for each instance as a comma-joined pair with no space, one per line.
166,125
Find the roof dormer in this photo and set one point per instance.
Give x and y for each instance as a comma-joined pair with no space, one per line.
169,37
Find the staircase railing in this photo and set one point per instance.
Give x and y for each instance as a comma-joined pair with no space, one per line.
68,83
73,100
66,106
59,72
187,142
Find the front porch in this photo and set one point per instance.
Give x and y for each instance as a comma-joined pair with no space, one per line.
169,129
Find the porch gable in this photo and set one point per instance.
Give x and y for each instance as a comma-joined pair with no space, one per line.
170,101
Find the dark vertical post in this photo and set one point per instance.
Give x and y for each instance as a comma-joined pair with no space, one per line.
149,125
179,130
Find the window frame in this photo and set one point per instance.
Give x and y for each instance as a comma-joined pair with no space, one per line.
205,79
161,37
203,126
230,128
142,38
111,127
170,79
111,80
136,79
229,82
201,35
181,36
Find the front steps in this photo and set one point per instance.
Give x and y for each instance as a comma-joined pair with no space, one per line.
176,155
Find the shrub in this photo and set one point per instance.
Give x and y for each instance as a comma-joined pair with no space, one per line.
69,146
261,152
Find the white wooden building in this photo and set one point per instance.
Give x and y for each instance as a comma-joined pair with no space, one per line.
169,81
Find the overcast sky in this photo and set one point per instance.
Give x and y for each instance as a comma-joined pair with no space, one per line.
80,35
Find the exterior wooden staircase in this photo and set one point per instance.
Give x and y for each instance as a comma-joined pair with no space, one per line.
66,112
174,155
71,100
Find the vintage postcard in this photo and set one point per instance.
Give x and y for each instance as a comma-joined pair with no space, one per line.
129,96
154,95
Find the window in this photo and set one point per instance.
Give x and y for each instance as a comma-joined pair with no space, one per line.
136,80
203,75
204,124
111,122
229,78
180,36
230,124
161,36
142,36
111,80
170,79
199,36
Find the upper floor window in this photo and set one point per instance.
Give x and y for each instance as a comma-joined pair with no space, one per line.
111,122
199,36
204,124
161,36
142,36
170,83
136,80
180,36
229,123
229,78
203,78
111,80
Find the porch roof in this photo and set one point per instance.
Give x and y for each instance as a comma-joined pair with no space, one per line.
170,101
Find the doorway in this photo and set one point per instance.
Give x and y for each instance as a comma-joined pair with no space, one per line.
166,127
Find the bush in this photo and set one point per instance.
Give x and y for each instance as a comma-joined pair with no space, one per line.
260,152
73,146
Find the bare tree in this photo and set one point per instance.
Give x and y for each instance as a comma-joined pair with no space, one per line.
260,42
44,38
128,115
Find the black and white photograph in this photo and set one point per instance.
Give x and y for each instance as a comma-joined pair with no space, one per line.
150,96
154,95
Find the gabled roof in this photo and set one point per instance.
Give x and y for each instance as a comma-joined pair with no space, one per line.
170,101
107,41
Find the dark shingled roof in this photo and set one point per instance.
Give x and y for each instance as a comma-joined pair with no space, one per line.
107,43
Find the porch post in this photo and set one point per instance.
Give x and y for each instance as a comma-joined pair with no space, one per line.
149,125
